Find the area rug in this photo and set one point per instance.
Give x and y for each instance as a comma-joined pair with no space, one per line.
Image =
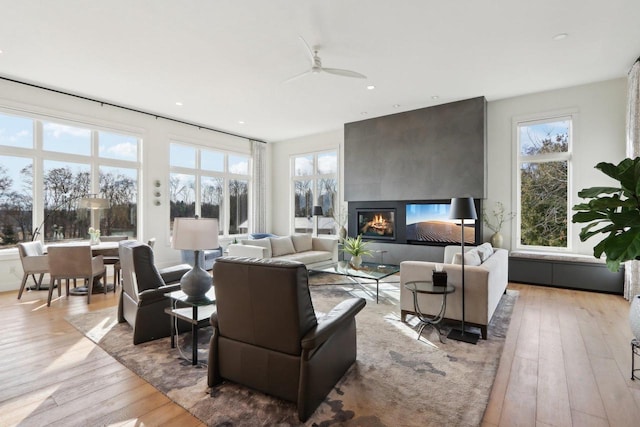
397,380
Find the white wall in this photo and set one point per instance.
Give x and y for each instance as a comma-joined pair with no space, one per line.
599,136
153,221
281,152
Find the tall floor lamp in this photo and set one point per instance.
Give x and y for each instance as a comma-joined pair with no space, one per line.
463,208
317,211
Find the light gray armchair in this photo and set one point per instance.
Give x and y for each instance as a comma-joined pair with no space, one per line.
34,261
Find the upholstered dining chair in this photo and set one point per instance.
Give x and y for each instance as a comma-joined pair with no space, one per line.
74,262
34,261
113,259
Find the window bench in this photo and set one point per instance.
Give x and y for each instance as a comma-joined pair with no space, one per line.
572,271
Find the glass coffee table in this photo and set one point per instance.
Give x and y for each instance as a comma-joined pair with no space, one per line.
196,312
367,270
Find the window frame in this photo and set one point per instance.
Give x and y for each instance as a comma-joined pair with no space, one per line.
198,172
315,178
570,115
39,155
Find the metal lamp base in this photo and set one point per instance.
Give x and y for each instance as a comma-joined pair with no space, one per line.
464,336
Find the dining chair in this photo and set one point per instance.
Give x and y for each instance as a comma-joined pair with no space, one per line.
113,260
74,262
34,261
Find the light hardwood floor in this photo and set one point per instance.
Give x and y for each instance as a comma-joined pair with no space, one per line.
566,361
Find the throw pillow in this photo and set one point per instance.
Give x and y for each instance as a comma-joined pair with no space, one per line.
485,250
281,246
302,242
471,257
265,243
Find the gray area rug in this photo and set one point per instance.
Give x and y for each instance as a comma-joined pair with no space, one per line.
396,381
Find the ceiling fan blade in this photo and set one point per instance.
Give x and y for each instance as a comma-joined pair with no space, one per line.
304,42
344,73
297,76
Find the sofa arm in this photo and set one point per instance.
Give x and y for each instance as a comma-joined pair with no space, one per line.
334,320
249,251
326,244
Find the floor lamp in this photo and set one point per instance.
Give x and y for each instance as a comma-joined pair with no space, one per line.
317,211
463,208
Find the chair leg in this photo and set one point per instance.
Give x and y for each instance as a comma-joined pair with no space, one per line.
53,282
90,289
40,281
23,284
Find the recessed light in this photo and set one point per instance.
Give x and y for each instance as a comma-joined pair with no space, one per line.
364,113
371,87
396,105
240,122
179,104
434,97
560,36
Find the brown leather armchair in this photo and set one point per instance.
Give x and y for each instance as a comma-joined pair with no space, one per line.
142,299
267,337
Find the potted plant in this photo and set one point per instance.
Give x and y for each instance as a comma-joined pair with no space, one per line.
356,247
500,216
615,212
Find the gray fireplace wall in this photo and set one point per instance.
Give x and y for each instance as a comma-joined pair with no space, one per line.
432,153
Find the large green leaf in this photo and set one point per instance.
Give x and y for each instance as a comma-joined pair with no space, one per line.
613,212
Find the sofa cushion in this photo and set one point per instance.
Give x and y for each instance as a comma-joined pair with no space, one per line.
485,250
265,243
308,257
281,246
302,242
470,258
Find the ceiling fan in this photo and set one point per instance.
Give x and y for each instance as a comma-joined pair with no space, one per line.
316,66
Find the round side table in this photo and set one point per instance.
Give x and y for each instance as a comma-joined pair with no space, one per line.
427,287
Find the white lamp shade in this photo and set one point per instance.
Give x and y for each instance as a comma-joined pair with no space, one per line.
195,234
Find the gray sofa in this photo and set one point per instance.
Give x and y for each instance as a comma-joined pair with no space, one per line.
303,248
485,284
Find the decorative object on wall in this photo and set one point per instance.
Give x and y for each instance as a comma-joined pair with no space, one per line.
196,234
156,192
463,208
495,220
317,211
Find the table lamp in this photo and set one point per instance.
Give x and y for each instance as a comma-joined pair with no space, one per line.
196,234
463,208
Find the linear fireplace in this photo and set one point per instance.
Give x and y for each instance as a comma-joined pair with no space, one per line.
415,222
377,223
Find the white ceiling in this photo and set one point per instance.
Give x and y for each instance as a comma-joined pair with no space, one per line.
226,60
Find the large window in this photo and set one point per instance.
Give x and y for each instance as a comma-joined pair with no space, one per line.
46,167
544,163
314,183
211,184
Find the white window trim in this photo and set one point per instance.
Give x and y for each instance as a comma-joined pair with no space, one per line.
569,113
314,177
39,156
198,173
